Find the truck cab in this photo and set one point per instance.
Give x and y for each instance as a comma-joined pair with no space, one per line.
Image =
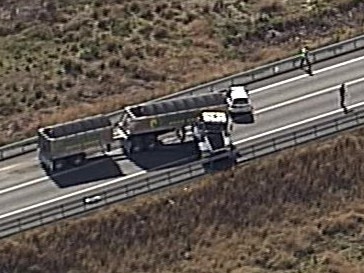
212,133
239,102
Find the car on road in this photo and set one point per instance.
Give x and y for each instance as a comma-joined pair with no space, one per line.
239,102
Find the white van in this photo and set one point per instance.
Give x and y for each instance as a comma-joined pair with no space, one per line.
238,100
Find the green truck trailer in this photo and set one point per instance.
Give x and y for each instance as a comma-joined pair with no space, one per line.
72,142
141,125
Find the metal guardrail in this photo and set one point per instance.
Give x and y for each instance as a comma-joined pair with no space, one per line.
151,182
253,75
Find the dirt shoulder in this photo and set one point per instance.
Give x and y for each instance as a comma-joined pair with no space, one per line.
67,59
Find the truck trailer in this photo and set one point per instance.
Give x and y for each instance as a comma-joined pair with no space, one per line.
141,125
72,142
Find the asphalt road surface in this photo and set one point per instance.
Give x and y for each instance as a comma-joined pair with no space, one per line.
279,101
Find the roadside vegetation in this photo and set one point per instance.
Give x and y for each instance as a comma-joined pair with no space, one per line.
65,59
300,210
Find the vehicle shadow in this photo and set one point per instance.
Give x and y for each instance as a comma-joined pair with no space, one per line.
94,169
243,119
221,164
166,156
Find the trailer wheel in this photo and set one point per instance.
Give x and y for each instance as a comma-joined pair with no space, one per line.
77,160
58,165
128,148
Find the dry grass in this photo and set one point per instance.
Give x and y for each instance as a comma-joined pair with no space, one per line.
67,59
298,211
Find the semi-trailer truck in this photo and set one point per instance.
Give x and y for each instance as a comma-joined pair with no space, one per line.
138,129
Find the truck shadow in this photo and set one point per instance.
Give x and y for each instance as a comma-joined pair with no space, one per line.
243,119
221,164
166,156
94,169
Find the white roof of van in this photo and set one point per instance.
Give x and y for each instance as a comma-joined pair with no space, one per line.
238,92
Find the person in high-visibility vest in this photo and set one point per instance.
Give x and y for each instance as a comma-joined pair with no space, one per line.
305,59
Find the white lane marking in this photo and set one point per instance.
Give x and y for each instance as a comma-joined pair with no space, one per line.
292,125
23,185
306,75
144,171
318,93
60,198
9,167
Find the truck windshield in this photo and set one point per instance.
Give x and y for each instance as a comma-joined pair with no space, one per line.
240,101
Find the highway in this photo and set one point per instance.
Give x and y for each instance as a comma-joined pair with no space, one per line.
279,101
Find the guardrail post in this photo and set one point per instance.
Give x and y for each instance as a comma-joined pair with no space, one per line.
274,144
295,138
105,197
315,130
148,183
19,224
336,125
40,218
253,150
62,211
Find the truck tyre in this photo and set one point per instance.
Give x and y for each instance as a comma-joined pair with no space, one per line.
77,160
251,118
56,165
150,143
129,148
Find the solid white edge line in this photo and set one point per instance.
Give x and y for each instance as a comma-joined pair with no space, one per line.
60,198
